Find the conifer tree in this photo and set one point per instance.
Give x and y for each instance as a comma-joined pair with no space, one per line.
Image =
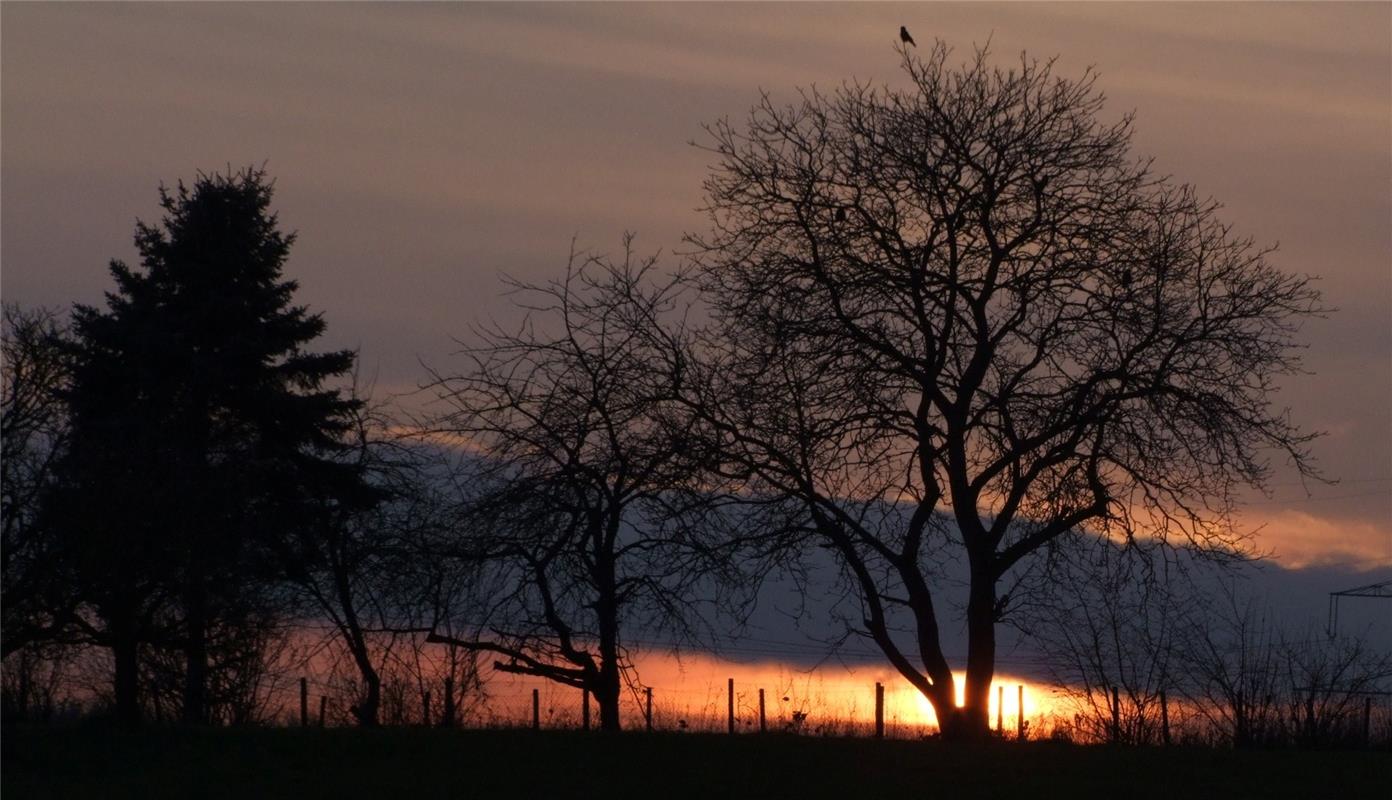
203,428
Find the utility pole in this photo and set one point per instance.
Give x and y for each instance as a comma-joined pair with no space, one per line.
1381,590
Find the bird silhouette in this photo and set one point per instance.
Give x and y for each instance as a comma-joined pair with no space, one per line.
840,214
905,37
1126,279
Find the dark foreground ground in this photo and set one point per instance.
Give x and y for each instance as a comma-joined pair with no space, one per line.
424,764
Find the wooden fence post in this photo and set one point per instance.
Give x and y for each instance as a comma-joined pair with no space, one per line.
425,708
1367,720
879,710
648,713
1239,721
585,711
323,701
1164,719
536,710
1310,718
1000,710
763,726
304,702
1020,712
730,703
447,718
1116,715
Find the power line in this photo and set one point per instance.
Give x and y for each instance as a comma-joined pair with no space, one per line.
1300,501
1338,482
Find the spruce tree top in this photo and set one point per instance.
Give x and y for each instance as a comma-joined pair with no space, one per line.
208,322
199,364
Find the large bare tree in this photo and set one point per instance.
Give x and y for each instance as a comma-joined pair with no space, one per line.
959,319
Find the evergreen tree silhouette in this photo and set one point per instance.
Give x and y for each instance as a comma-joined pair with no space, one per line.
202,427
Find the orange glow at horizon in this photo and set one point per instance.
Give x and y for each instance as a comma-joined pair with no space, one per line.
690,692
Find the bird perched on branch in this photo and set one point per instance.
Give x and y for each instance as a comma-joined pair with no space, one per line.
905,37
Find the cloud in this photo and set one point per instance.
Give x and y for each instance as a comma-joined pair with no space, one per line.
421,150
1299,539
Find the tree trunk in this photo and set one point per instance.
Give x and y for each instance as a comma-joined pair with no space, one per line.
607,690
943,699
195,650
607,611
607,695
974,717
125,651
366,710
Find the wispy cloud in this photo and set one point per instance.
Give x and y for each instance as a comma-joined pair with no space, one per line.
422,149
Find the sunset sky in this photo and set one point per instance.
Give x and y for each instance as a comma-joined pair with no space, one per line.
421,151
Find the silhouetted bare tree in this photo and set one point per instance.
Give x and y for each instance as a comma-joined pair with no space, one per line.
582,464
966,299
1112,623
1326,681
367,569
35,598
1258,683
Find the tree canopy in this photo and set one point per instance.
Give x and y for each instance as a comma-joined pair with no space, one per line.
201,426
583,479
968,300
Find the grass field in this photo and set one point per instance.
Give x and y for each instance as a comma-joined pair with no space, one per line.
399,764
